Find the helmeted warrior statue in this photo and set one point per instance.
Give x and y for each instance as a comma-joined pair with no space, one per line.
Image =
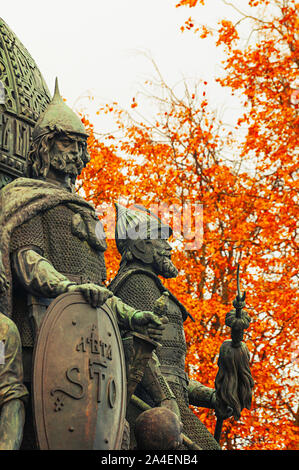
49,243
141,239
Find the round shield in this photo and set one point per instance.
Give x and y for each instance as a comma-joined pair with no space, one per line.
79,382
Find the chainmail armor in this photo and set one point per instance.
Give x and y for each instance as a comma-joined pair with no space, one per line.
173,342
67,253
30,234
193,427
140,290
51,234
136,296
165,389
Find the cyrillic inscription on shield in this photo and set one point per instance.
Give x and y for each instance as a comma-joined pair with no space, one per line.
79,377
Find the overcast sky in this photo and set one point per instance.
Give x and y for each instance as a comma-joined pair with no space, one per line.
93,46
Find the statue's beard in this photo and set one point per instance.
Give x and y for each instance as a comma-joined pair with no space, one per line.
67,164
164,266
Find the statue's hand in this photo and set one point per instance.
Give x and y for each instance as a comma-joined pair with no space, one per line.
95,295
149,324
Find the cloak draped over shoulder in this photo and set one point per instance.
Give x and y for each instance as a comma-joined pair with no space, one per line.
24,199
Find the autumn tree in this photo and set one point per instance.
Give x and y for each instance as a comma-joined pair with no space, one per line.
265,71
176,160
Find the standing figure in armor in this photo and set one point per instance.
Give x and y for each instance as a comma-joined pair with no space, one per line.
13,393
48,235
146,254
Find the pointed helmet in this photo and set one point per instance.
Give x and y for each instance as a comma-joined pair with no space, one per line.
58,116
142,223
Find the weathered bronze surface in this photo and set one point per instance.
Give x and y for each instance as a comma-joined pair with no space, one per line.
79,383
51,247
141,354
58,116
145,257
158,429
13,393
144,407
51,285
24,95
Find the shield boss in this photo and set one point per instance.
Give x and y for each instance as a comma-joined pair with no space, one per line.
79,382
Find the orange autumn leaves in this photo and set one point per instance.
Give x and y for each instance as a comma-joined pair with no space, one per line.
179,157
266,72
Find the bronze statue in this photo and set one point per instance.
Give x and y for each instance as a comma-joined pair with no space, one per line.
53,301
13,393
48,237
141,239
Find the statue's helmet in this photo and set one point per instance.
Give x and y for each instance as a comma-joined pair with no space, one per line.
132,224
58,117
